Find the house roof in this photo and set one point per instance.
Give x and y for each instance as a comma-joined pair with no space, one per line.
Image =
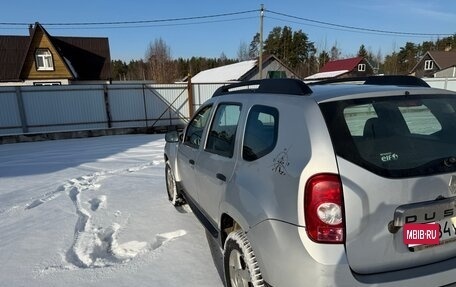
235,72
12,52
87,58
227,73
326,75
443,59
340,65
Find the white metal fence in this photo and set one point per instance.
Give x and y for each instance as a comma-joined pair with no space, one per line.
43,109
442,83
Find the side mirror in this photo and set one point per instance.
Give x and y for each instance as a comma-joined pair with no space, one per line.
172,137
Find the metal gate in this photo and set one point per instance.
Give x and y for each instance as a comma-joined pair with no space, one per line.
45,109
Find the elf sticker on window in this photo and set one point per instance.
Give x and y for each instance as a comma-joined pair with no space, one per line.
389,156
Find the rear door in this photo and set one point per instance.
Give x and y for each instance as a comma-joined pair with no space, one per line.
190,148
216,163
395,161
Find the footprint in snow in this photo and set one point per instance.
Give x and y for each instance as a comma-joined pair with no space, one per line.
163,238
98,202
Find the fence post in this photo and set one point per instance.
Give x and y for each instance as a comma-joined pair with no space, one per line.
191,108
145,103
22,114
107,106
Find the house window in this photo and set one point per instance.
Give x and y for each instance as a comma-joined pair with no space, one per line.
428,65
277,74
361,67
44,60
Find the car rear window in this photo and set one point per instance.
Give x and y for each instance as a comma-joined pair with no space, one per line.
397,136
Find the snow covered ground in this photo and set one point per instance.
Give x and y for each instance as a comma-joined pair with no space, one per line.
93,212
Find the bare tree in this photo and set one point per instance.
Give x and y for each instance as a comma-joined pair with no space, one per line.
335,52
223,59
160,65
243,52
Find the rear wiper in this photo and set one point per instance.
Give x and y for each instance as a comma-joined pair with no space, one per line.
440,164
449,161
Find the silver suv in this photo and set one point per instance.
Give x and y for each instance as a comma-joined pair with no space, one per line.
304,185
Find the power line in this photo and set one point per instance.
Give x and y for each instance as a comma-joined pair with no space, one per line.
135,22
341,29
168,22
152,25
358,28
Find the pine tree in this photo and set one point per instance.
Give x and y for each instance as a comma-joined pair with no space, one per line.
362,52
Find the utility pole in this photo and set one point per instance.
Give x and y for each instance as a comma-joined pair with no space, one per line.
260,58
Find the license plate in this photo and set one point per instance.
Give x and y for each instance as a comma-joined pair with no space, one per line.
447,229
447,234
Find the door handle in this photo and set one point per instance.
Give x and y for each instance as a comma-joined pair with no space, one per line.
192,162
220,176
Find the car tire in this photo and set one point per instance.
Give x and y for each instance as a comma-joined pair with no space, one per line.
240,264
171,187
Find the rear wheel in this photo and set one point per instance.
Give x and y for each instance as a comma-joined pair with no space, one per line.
240,264
171,187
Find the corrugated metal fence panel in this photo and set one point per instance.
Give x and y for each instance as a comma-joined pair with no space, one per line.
442,83
64,108
203,92
127,105
10,119
82,107
451,85
436,83
166,104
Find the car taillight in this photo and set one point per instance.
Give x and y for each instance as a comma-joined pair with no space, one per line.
323,209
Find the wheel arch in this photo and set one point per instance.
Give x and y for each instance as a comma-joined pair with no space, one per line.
170,157
230,222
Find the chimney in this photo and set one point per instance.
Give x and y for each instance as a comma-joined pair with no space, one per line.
448,47
30,29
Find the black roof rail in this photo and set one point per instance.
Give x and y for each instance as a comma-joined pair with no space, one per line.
339,80
269,86
396,81
393,80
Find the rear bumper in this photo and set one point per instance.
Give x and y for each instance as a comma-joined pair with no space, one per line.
284,261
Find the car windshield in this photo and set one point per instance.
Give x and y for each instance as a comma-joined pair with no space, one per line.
397,136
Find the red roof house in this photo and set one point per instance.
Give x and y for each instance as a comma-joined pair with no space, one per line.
345,68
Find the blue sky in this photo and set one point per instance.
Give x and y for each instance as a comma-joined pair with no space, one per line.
213,38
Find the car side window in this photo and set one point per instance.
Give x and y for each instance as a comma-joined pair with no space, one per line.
261,132
222,134
196,126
